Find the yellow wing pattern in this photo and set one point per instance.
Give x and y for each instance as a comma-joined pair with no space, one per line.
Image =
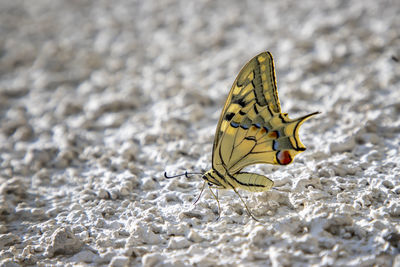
252,129
258,73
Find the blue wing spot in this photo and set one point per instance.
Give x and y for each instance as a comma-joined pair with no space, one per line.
257,125
244,127
266,129
234,124
275,145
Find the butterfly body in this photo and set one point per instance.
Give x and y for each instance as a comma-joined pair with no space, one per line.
244,180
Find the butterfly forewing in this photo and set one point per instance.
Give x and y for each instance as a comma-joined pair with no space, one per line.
255,83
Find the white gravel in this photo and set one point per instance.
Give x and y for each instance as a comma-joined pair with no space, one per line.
99,98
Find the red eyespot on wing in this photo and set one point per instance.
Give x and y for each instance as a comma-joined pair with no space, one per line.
283,157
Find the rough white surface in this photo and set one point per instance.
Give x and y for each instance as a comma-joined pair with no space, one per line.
99,98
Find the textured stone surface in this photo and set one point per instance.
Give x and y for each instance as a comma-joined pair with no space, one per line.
99,98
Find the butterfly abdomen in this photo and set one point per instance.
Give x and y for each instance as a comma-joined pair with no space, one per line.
251,182
244,180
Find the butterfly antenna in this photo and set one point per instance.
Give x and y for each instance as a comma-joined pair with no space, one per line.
174,176
186,174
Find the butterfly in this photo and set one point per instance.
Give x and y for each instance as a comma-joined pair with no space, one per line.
252,130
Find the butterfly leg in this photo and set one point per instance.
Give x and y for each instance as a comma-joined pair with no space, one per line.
216,198
244,203
200,194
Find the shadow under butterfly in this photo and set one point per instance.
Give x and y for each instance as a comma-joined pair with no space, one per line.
251,130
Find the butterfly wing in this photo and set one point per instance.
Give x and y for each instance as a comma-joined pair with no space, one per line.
243,90
256,83
252,128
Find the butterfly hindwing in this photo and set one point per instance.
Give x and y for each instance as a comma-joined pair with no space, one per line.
276,145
